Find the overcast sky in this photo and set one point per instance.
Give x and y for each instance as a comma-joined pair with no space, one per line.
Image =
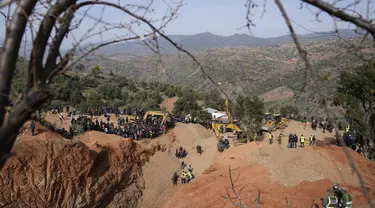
224,17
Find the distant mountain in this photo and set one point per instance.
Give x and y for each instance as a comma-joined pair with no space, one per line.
203,41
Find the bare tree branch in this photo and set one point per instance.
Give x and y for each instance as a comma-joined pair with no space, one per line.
20,114
179,47
9,52
35,92
40,43
96,48
56,43
303,55
237,197
301,51
335,12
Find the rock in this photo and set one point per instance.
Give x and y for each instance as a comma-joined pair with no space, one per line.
49,171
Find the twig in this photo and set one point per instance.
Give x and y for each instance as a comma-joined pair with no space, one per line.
96,48
303,54
350,160
335,12
301,51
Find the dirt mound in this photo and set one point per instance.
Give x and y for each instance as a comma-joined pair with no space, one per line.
280,93
208,189
48,171
158,184
189,135
159,171
301,175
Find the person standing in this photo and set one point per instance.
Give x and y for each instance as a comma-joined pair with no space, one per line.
330,201
346,199
302,141
32,127
175,178
270,137
295,140
279,138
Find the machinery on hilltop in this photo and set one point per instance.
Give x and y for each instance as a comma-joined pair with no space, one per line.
229,123
271,122
157,114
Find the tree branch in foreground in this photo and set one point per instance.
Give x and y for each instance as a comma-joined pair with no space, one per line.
236,199
303,55
335,12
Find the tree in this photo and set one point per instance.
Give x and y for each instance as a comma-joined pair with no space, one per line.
186,104
170,92
110,90
96,71
250,111
214,100
289,110
69,90
355,93
93,102
54,21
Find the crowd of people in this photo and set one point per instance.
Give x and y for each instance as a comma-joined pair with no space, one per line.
186,176
181,152
140,129
293,140
136,129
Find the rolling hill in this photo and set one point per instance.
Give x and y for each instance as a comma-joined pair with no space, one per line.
203,41
242,69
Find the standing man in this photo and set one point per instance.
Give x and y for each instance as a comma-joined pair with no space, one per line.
295,141
330,201
271,138
302,141
175,178
32,126
346,199
279,138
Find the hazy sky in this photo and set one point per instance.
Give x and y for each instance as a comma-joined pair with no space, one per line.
223,17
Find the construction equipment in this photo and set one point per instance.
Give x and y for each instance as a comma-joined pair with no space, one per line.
229,124
222,144
271,122
156,114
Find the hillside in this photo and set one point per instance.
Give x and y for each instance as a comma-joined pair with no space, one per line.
206,40
242,69
104,170
301,175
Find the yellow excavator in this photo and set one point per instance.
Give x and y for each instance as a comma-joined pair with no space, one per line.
271,122
156,113
229,124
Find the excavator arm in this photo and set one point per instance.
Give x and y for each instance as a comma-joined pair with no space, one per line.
229,111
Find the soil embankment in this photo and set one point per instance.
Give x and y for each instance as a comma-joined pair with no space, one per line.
49,171
105,170
300,175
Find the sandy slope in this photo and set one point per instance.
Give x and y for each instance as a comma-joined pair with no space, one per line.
302,175
158,172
